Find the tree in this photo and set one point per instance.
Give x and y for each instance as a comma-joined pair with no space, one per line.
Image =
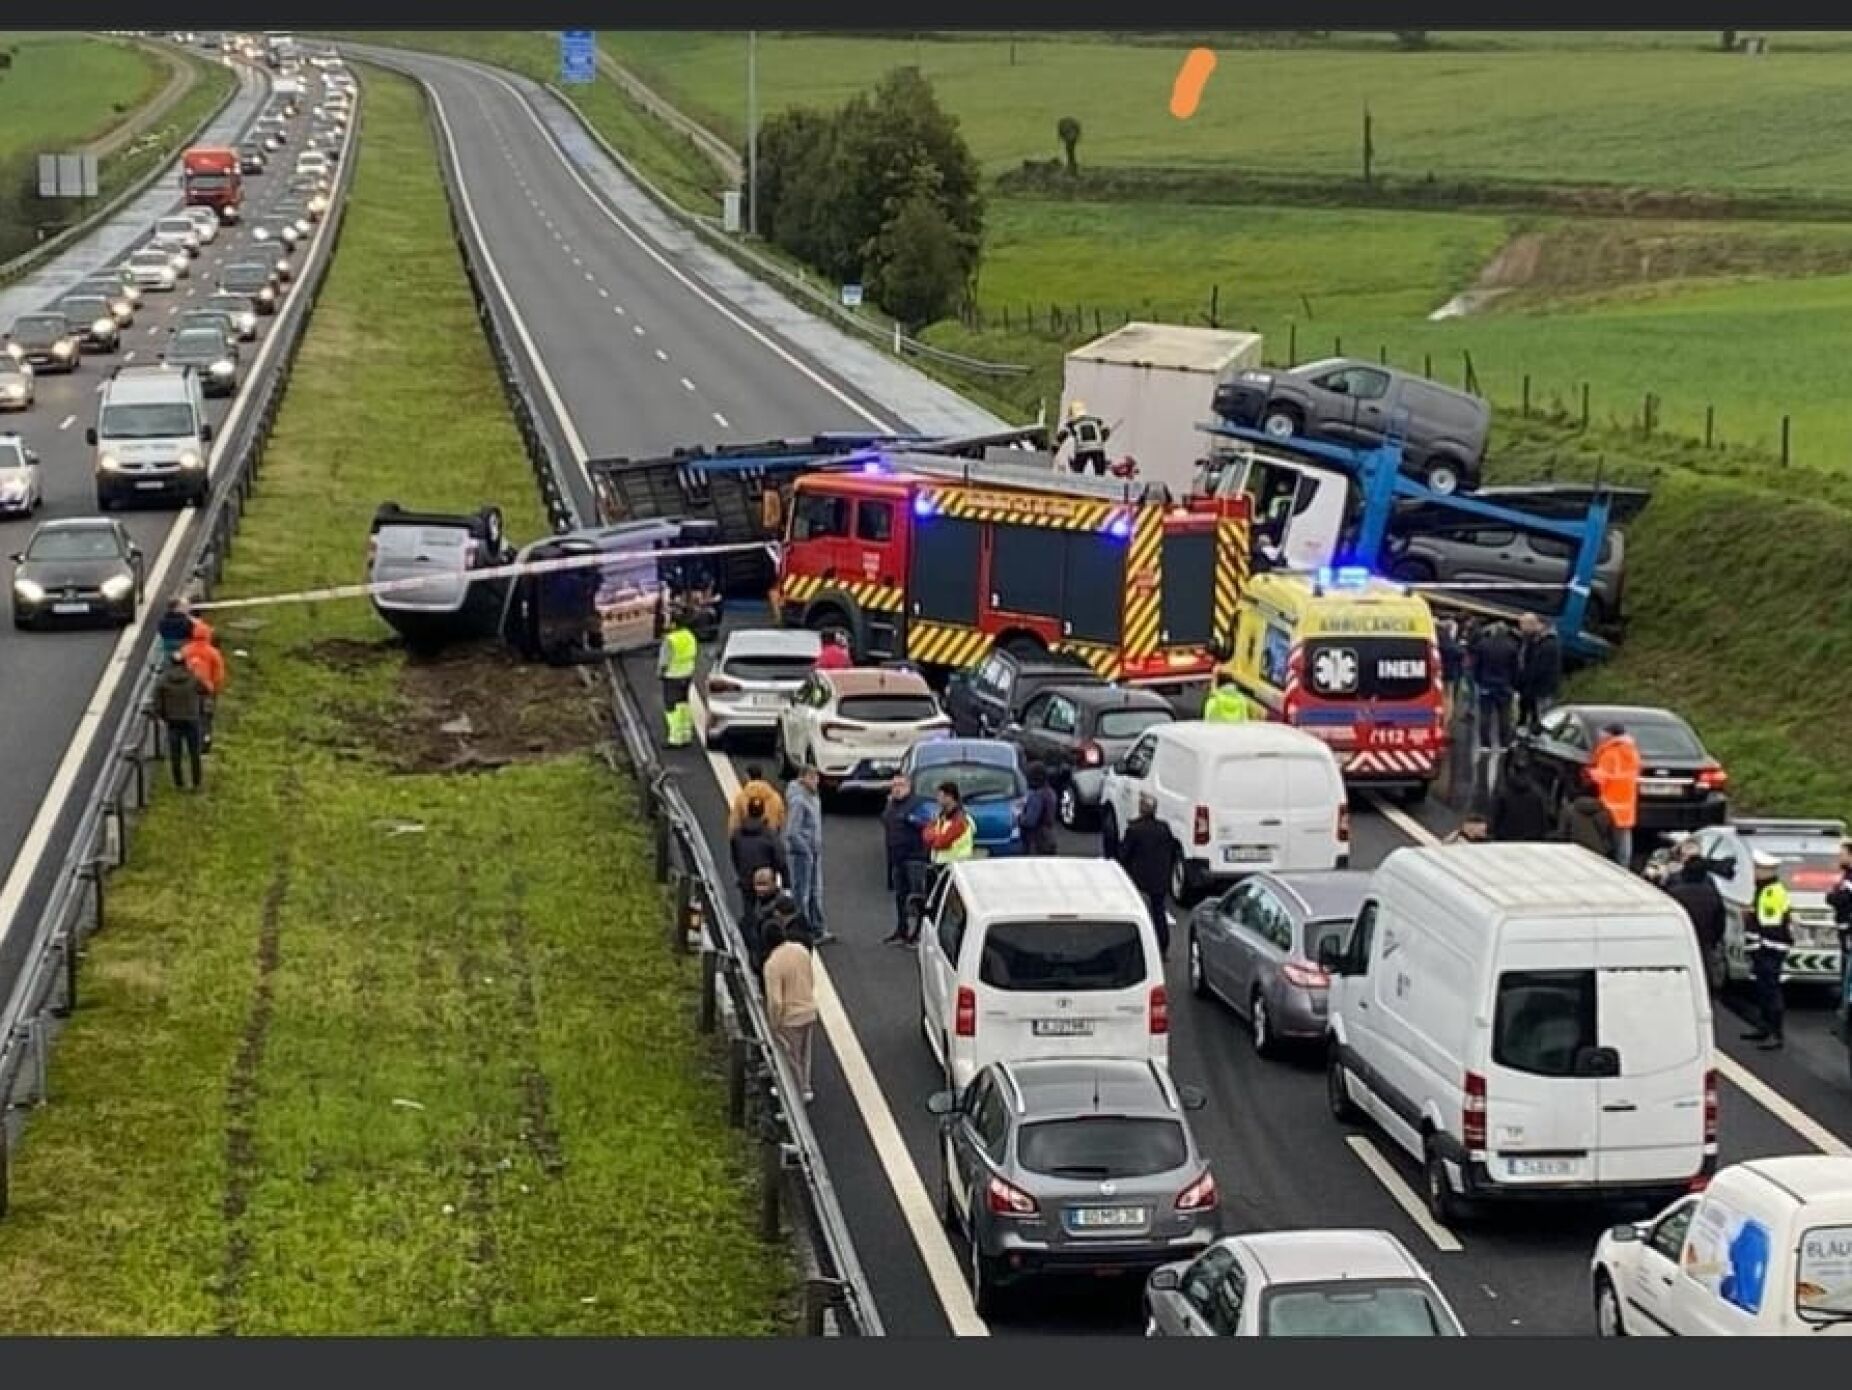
920,262
1069,130
1411,39
1728,41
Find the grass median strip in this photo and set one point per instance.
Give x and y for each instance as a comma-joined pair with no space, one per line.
382,1036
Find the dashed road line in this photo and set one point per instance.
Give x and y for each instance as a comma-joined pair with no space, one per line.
721,420
661,356
70,420
128,356
687,385
638,329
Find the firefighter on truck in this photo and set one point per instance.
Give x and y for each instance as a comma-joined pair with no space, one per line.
935,565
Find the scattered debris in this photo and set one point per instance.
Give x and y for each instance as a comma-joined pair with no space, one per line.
449,1209
404,1104
460,726
399,827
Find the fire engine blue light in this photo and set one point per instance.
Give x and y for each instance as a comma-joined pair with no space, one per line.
872,466
1120,527
922,505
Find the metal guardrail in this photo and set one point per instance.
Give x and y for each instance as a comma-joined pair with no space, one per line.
25,261
46,988
709,230
763,1093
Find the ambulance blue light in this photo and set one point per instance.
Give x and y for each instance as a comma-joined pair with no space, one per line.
1344,577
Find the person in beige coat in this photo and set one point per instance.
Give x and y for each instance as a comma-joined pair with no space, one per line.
790,998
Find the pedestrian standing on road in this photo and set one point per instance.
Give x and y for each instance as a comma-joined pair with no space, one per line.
1586,822
791,999
906,856
1147,852
1693,889
1540,670
1495,671
1839,898
1226,704
175,627
758,912
755,846
675,663
950,835
1452,664
203,658
179,701
1768,941
1615,767
756,788
804,848
1036,820
1520,811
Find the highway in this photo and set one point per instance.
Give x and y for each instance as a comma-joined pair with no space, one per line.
634,354
61,689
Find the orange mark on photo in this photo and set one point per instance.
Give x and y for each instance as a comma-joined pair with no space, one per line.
1187,90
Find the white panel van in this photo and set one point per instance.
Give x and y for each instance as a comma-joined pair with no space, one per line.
1025,957
1528,1021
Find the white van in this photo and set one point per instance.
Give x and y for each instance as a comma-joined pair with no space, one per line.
1023,958
1528,1020
150,436
1765,1251
1239,798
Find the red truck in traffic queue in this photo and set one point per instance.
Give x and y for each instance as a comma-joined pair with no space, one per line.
210,178
933,561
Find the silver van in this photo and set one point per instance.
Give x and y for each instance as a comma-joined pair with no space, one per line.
438,551
1342,400
150,437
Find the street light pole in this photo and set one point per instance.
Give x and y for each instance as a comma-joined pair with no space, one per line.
752,132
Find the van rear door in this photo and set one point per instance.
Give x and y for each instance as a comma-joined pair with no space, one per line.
1066,988
1314,794
1651,1118
1249,814
1542,1125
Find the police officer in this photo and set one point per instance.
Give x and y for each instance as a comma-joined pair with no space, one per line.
675,663
1226,704
1088,434
1768,942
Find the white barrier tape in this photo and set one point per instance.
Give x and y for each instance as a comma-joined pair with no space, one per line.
594,559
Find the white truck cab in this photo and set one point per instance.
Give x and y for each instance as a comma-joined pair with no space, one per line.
1299,509
1764,1251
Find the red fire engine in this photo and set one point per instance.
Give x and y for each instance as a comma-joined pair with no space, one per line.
934,561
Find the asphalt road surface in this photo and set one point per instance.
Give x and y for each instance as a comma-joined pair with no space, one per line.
60,688
635,360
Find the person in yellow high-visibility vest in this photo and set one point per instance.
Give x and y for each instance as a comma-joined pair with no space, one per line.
675,664
1226,704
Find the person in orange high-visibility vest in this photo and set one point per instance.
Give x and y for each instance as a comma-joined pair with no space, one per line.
1615,769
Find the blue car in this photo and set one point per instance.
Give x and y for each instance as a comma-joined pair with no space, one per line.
989,776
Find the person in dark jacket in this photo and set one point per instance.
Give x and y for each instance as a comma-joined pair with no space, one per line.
1036,820
758,911
906,857
1540,670
176,626
1839,898
180,704
1147,850
1586,822
755,845
1520,811
1692,888
1495,673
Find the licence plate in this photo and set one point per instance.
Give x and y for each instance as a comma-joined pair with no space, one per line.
154,486
1660,787
1061,1027
1246,854
1542,1167
1107,1218
765,701
70,608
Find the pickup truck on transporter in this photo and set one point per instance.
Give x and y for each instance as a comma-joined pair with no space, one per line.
210,177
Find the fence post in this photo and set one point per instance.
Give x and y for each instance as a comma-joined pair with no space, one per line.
3,1161
710,984
662,848
1427,365
684,911
1215,306
819,1294
1098,324
771,1178
737,1049
1527,395
1006,318
1786,421
1710,414
1585,405
1292,343
1337,346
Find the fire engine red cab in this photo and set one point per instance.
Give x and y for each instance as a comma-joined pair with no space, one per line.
934,561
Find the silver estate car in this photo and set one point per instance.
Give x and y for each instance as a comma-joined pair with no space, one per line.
1072,1165
1257,948
754,678
1299,1284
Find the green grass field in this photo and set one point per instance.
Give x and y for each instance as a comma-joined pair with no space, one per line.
373,1044
64,90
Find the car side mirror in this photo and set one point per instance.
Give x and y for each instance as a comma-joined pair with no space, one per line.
1012,726
90,435
1627,1232
32,459
941,1103
1331,957
1164,1279
1597,1061
19,557
1191,1097
1118,766
205,433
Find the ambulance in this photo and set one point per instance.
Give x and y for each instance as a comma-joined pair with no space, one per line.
1353,660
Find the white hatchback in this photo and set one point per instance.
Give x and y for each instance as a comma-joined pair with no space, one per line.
755,676
856,725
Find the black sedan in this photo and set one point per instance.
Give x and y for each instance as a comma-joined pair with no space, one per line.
75,570
93,320
110,285
44,342
253,280
1681,784
251,158
210,352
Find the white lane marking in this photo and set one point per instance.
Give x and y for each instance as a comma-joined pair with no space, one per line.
903,1175
1734,1071
153,328
639,329
173,309
1404,1195
128,356
649,249
661,356
70,420
121,662
603,293
619,310
721,420
590,278
687,385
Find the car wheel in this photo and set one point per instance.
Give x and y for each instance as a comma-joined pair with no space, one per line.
1068,808
1444,1205
1199,978
1109,833
786,768
1025,645
986,1296
1280,422
1444,475
948,1213
1608,1320
713,741
1415,795
1343,1109
1260,1024
1182,884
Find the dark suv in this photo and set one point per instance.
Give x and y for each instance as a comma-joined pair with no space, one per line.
1341,400
993,693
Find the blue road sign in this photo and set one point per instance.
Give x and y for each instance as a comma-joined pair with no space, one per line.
578,56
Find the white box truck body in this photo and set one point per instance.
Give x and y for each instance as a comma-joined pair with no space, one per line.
1153,383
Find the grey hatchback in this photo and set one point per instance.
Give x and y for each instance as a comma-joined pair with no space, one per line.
1072,1165
1077,732
1257,946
